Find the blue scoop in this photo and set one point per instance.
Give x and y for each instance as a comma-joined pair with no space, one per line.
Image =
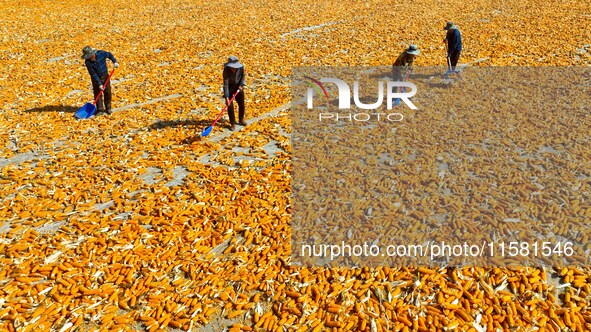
85,111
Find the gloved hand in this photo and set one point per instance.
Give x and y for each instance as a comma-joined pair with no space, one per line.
116,65
102,87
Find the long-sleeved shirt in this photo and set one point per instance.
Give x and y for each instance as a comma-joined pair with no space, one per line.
403,63
454,40
232,81
404,59
98,68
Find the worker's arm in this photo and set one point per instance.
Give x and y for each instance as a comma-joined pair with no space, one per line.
226,77
93,74
446,36
409,63
110,56
242,78
457,45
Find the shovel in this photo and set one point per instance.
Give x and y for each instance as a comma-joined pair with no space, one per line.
207,130
88,109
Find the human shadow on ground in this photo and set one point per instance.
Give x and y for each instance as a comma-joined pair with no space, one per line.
381,75
197,124
441,85
53,108
192,139
413,76
425,76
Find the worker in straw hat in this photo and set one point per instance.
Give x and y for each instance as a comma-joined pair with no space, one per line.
95,61
234,82
403,64
454,45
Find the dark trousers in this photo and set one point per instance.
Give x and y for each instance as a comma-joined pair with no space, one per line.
454,56
240,100
100,105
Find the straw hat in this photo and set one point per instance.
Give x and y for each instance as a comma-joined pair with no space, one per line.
450,26
413,49
233,62
87,52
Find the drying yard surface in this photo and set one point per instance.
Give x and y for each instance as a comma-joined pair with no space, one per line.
133,221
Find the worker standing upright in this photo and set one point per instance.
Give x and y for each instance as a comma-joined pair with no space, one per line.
454,46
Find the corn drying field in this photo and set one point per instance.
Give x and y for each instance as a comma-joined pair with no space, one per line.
133,221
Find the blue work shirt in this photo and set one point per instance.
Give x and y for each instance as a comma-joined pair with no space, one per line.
98,68
454,41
